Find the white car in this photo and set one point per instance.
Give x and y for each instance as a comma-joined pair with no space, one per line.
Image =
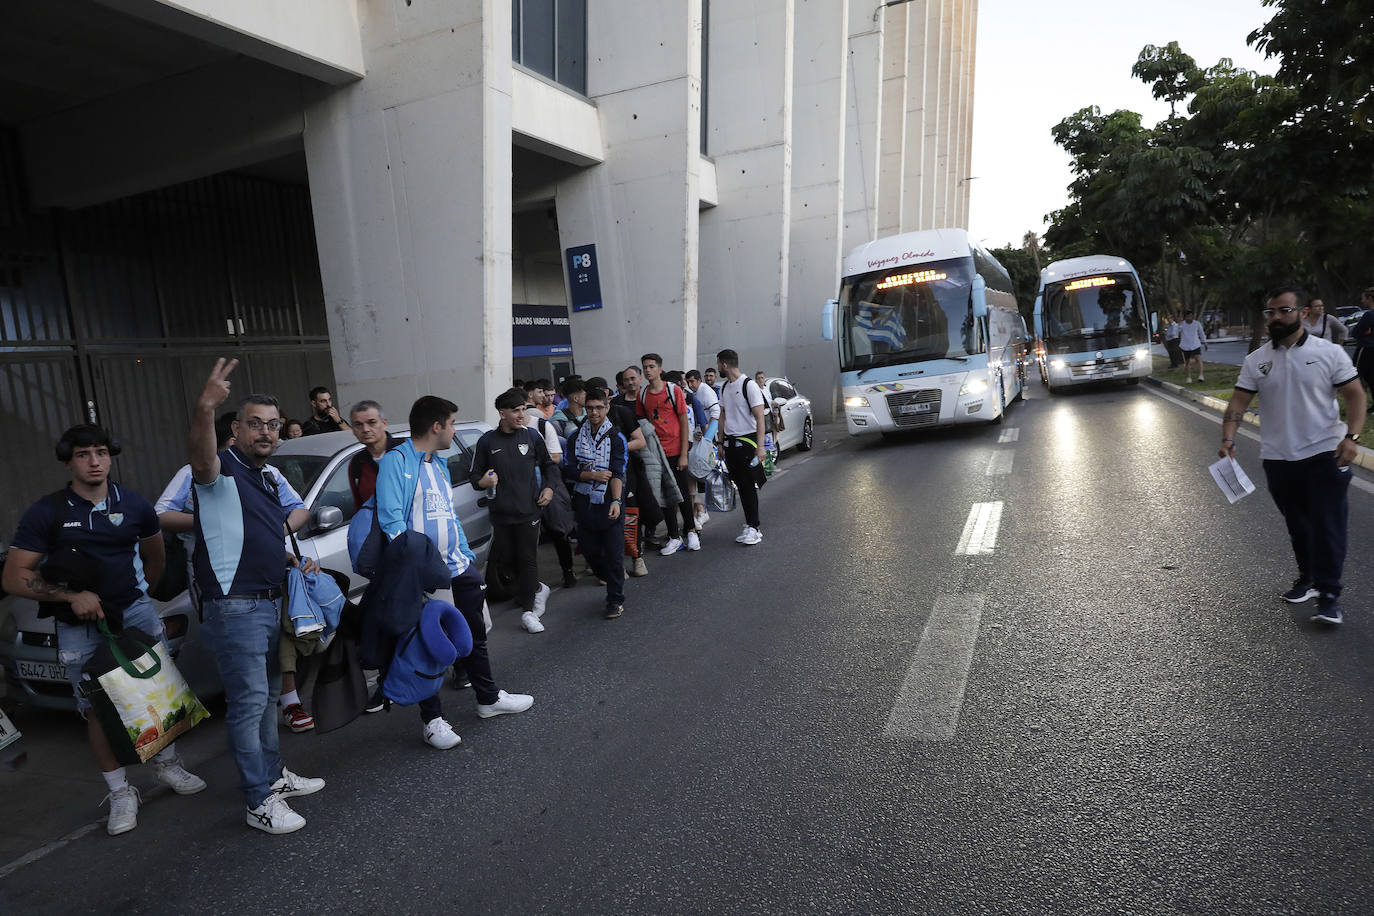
317,469
798,429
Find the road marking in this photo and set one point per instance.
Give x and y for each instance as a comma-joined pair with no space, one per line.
40,852
930,698
1010,435
1000,462
1245,429
980,531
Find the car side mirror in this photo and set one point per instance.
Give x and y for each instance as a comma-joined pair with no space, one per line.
779,402
326,518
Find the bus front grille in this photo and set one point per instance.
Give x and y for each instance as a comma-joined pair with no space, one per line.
914,409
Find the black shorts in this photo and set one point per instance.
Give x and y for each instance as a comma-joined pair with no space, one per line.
1189,354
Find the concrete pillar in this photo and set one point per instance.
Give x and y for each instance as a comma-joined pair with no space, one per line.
744,240
969,44
640,206
818,170
920,144
930,90
410,180
892,163
945,109
862,126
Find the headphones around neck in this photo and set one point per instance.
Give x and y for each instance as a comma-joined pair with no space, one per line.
66,446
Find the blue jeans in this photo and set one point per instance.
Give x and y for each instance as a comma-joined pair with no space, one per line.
245,634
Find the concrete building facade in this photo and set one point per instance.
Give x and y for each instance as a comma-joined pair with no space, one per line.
719,156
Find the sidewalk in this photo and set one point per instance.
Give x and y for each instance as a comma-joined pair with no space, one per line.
1365,457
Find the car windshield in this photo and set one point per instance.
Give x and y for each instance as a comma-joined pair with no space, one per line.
1105,311
301,471
908,314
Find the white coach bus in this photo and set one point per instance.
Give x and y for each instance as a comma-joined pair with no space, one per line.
1091,323
929,334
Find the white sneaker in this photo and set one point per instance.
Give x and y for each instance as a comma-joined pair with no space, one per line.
439,734
123,810
274,816
743,533
672,547
702,518
751,536
175,776
541,600
693,542
505,703
530,621
290,785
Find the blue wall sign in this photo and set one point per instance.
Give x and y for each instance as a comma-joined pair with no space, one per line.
540,330
584,278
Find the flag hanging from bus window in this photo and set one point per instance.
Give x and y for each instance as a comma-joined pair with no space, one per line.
881,325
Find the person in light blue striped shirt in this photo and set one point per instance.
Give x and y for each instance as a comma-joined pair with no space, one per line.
414,493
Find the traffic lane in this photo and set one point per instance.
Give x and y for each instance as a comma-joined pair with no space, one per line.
656,753
1181,714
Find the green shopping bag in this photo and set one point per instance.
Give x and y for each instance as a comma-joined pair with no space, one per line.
139,697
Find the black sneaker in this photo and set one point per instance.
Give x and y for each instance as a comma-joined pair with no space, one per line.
1328,610
376,702
569,578
614,611
460,681
1300,592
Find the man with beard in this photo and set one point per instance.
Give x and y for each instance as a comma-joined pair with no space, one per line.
324,416
1305,447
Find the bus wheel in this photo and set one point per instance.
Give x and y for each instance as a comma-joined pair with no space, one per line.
1132,381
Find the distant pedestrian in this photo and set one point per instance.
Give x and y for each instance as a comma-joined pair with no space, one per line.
1320,324
743,410
710,377
1363,334
708,400
638,500
514,462
324,416
292,430
1305,447
113,534
1192,340
414,493
1171,344
595,467
241,519
569,418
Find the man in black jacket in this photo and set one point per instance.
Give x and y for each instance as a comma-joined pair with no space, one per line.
513,461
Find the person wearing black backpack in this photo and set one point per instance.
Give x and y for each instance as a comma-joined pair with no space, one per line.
86,553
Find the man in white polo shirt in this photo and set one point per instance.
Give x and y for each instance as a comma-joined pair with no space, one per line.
1305,447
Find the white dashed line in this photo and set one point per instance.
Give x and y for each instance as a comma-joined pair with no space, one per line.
932,695
1009,435
1000,462
980,531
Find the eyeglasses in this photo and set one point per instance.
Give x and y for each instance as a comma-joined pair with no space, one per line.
1281,310
596,406
257,425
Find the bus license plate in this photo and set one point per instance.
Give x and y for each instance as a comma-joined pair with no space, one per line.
1104,373
914,408
41,671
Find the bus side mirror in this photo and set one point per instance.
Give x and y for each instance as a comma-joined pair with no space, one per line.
828,319
1154,321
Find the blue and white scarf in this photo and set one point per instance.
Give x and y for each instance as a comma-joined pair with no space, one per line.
593,453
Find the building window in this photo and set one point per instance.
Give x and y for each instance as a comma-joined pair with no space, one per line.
550,38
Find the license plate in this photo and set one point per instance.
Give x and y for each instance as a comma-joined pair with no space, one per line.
1104,373
914,408
42,671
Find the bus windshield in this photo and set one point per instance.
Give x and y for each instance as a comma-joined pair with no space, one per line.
1100,311
908,314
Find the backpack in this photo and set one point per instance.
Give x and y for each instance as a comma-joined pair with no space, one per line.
675,398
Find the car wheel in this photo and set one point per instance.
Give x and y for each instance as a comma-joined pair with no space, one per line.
807,437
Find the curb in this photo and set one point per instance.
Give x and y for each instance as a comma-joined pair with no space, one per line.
1364,458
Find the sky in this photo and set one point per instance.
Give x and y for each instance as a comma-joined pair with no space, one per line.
1039,62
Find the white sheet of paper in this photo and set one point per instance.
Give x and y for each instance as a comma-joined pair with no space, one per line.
1235,484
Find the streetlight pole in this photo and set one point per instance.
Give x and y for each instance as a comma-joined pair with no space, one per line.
883,6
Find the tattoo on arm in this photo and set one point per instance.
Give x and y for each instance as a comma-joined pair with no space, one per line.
43,588
1233,416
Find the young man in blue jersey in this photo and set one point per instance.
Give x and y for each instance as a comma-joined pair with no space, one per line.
114,534
241,516
414,493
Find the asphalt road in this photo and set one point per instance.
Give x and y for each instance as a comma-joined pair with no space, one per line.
1099,706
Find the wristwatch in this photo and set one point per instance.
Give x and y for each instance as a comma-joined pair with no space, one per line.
1353,437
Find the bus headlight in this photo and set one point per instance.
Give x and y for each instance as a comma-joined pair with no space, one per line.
1056,364
856,402
1142,354
973,386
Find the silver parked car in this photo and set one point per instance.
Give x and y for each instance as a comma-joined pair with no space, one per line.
798,429
317,469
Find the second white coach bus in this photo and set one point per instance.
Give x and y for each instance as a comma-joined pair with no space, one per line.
1091,323
929,334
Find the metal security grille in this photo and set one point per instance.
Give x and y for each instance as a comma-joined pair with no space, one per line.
914,409
114,314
